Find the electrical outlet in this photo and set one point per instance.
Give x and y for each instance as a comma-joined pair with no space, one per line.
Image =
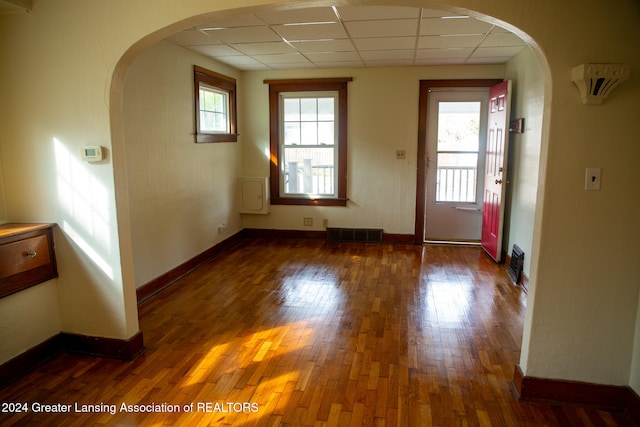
308,222
325,223
592,179
221,227
401,154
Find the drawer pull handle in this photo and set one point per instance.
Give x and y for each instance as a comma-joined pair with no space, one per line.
30,253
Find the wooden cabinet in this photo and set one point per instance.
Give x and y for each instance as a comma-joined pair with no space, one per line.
27,256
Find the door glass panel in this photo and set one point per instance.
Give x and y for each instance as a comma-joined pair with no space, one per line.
458,144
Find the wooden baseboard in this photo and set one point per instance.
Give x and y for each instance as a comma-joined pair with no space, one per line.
63,342
29,360
633,405
256,233
158,284
402,239
575,392
263,233
111,348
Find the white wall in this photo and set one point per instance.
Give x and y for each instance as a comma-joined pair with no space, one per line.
382,118
179,191
524,153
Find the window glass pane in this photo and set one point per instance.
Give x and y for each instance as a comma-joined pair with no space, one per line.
326,134
213,110
458,126
308,109
326,109
309,133
291,109
309,170
458,145
292,133
456,177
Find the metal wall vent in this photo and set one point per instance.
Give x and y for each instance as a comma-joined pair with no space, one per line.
516,264
364,235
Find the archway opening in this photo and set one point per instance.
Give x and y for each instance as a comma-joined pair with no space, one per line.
119,126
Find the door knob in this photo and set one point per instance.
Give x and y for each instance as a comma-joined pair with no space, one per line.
498,181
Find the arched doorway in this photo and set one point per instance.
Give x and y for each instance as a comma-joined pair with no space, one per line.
119,134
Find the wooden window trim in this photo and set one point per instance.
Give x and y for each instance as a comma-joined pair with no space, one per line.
225,83
308,85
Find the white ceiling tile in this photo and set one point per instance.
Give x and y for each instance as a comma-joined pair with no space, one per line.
390,63
385,43
285,58
367,13
333,56
384,28
293,66
498,29
245,35
243,62
443,53
310,14
341,64
488,52
267,48
443,42
215,50
439,61
340,45
488,60
502,39
379,55
438,26
192,37
433,13
311,32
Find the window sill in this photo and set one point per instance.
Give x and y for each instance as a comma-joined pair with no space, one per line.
299,201
216,137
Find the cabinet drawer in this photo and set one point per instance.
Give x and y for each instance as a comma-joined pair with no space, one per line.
27,256
24,255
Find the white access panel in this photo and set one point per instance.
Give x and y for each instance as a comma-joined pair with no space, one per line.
254,195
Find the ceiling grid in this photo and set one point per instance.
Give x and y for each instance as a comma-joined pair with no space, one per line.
350,36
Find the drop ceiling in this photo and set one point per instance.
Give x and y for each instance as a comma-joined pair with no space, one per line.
350,36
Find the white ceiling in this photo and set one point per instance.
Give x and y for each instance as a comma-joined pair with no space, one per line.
351,36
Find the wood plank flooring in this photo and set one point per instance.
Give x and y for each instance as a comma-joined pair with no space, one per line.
310,333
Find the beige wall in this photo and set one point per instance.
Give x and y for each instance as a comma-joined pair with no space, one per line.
383,117
179,191
583,300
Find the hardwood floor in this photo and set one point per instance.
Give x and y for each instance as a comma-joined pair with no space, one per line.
310,333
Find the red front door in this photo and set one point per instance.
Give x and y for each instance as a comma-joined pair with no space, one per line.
496,169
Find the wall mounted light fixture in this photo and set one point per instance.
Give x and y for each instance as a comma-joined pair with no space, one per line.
596,81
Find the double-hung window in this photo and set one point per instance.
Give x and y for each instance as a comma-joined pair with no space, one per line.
215,100
308,141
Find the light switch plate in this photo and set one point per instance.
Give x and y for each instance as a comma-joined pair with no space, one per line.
592,179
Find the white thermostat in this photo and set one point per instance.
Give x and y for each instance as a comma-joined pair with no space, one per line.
92,153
